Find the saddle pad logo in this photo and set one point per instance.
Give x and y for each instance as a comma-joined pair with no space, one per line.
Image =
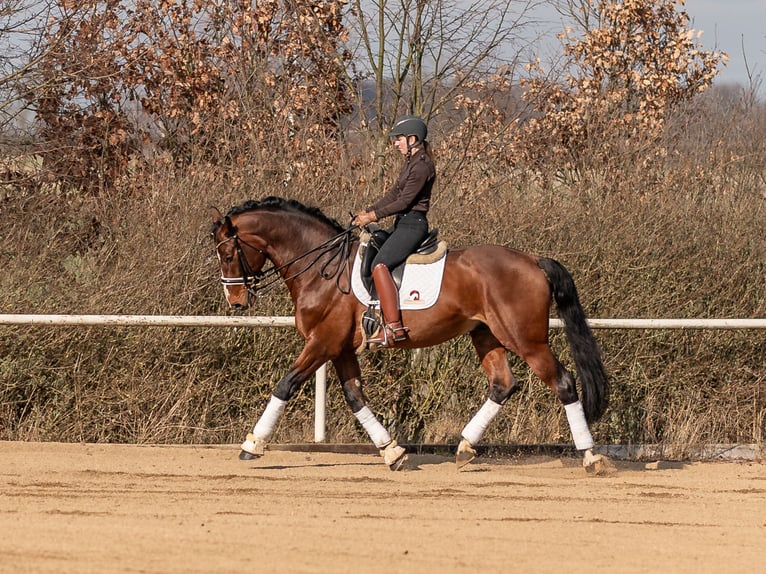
421,284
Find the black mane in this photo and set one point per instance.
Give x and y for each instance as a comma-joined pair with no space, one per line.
282,204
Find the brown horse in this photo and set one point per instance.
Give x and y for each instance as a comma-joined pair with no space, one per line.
500,296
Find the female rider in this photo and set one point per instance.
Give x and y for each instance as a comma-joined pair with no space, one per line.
409,200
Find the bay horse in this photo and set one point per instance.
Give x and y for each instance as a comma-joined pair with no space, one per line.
500,296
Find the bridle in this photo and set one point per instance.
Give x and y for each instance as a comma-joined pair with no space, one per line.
249,278
339,248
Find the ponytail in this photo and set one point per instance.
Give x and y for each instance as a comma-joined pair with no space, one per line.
427,149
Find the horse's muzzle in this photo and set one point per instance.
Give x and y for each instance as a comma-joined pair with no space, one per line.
237,297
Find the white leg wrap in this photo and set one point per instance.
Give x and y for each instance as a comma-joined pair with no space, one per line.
480,421
269,419
580,431
377,431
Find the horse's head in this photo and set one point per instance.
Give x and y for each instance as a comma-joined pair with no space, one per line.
241,260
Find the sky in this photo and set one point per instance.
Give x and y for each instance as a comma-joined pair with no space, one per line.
737,28
732,26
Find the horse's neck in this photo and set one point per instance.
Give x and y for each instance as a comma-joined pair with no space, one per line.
295,246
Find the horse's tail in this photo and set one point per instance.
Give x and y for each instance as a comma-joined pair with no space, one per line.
585,349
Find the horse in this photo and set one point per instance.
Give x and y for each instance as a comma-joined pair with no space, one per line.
501,297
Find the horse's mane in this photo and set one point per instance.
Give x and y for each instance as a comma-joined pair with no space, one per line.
281,204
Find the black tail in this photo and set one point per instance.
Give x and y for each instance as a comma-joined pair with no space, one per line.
585,349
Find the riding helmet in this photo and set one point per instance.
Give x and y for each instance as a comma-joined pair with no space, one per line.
410,126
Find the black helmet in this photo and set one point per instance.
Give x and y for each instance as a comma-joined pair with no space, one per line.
410,126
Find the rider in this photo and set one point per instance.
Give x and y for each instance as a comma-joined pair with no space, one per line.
409,200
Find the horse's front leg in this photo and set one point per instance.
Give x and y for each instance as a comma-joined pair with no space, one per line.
349,373
305,365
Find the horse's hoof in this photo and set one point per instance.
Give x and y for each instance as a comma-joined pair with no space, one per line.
597,464
398,463
252,448
244,455
465,454
394,456
463,458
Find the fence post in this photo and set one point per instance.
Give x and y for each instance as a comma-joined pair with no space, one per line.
320,406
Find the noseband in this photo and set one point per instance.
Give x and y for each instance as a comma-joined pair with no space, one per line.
250,278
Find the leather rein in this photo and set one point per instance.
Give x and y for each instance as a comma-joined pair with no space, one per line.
338,247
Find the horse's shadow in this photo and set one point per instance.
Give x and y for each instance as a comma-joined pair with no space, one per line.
311,464
414,462
417,462
484,464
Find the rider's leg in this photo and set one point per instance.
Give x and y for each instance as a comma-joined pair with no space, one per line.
409,231
389,305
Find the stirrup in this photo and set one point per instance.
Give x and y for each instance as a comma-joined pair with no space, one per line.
380,338
388,334
398,334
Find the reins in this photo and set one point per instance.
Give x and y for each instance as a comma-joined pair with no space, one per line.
338,246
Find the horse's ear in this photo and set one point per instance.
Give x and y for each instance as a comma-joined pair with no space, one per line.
215,215
229,226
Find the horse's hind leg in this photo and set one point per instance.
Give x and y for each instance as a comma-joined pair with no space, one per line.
547,367
502,385
349,373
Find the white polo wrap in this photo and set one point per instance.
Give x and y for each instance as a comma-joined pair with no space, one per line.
378,434
480,421
269,419
580,432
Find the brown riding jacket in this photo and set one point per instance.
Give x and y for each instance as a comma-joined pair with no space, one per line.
412,190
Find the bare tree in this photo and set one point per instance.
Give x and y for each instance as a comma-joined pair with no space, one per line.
421,54
22,26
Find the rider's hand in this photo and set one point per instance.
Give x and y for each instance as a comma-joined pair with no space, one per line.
364,217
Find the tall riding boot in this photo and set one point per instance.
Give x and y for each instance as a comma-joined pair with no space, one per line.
389,305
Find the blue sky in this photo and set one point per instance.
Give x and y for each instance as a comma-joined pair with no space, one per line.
729,25
732,26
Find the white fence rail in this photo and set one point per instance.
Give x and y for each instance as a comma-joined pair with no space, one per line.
244,321
321,374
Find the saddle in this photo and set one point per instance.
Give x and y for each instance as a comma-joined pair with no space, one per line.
430,249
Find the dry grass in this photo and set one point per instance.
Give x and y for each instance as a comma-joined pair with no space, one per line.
683,239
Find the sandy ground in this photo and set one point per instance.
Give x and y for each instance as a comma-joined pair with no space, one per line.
114,508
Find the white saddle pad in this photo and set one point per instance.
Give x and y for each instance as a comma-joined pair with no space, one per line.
421,284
